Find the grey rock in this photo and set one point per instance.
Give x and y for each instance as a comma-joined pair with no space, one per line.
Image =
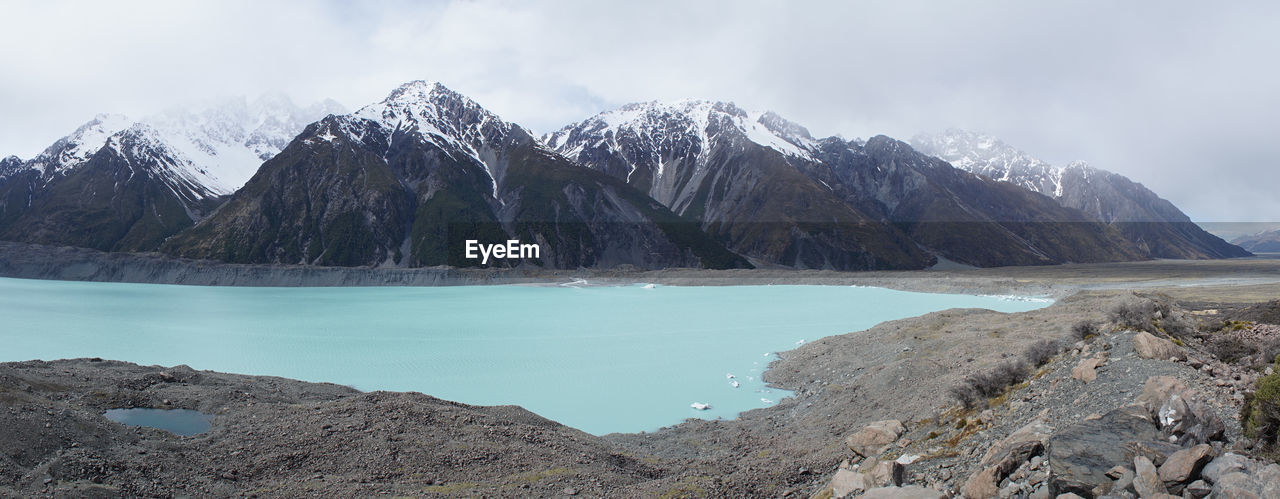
1156,450
887,473
1269,479
1236,485
1226,463
1184,464
1080,455
1179,412
1150,347
1145,479
849,482
875,437
1124,483
1197,489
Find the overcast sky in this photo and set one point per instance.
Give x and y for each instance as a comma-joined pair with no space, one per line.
1181,96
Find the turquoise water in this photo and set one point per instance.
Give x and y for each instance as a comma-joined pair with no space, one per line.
601,359
184,422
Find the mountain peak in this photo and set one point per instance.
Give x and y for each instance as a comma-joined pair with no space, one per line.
692,120
440,115
418,91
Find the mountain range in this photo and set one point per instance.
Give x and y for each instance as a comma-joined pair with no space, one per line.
117,184
1262,242
409,180
1152,223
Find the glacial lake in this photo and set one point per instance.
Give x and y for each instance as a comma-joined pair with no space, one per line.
601,359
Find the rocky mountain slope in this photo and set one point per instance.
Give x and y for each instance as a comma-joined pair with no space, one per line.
123,185
408,180
732,170
1151,222
772,192
1265,242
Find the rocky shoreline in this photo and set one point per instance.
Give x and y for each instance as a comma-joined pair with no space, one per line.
30,261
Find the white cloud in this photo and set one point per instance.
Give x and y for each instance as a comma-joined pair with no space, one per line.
1180,96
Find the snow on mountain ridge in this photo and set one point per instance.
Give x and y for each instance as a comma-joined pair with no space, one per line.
696,121
445,118
79,146
232,137
988,156
141,142
220,146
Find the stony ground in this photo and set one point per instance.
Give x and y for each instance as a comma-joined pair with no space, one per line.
279,437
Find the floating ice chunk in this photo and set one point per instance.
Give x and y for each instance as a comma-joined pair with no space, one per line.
648,286
765,400
734,383
801,342
729,376
700,406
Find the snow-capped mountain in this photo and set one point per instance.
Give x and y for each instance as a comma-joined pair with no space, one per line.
221,146
735,172
121,184
654,140
988,156
229,139
775,193
1147,219
407,180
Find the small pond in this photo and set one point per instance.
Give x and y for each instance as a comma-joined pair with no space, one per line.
183,422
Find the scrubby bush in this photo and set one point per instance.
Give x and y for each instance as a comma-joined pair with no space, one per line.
1260,416
981,386
1156,316
1231,349
1084,329
1270,351
966,395
1039,353
1236,350
1134,314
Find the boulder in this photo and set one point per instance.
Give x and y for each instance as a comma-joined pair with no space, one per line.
1185,464
1146,481
1269,479
1197,490
1086,370
849,482
1158,451
982,485
875,437
886,473
1236,485
1178,411
906,492
1150,347
1226,463
1123,482
1081,454
1019,447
